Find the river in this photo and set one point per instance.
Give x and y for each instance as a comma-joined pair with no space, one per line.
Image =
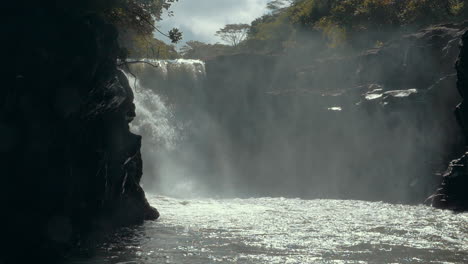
280,230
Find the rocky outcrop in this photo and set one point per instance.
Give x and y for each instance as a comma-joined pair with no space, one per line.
70,166
453,193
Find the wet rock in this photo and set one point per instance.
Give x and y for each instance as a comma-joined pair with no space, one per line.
452,193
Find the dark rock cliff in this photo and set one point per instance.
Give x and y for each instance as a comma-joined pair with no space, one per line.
70,166
453,192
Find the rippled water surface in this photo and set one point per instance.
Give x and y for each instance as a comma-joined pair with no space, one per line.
278,230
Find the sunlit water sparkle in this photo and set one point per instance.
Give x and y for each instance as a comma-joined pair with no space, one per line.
279,230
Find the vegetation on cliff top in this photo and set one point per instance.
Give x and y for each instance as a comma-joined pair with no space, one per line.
305,26
353,23
136,21
308,26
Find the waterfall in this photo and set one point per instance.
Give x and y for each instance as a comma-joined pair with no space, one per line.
219,132
153,118
165,91
165,67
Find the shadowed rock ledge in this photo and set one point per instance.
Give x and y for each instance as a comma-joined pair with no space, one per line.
70,165
452,193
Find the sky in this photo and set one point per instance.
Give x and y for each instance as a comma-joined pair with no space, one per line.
200,19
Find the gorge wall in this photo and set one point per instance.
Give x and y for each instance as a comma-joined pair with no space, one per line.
70,166
374,126
377,125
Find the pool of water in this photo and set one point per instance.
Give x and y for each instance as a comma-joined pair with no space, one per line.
280,230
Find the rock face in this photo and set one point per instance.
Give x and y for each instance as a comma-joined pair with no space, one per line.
453,193
70,166
375,126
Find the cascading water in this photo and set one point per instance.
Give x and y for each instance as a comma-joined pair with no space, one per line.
164,101
153,117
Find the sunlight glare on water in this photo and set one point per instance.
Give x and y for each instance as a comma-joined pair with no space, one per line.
280,230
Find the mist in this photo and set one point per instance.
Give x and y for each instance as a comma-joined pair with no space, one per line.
373,125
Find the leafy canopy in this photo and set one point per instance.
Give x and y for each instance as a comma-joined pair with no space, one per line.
200,50
357,23
233,34
136,21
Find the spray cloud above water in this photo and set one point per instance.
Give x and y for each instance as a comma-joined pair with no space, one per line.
330,112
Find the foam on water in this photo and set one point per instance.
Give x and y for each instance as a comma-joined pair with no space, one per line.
279,230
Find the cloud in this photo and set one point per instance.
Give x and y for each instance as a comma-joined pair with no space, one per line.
200,19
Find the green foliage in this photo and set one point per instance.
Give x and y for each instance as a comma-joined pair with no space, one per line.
307,13
233,34
175,35
348,22
200,50
334,34
136,21
276,6
425,11
268,33
152,48
457,7
138,15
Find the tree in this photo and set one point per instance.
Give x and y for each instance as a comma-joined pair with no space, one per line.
151,48
175,35
200,50
136,21
233,34
138,15
192,49
275,6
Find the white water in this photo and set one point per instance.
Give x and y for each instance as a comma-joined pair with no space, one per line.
153,118
195,67
279,230
166,169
